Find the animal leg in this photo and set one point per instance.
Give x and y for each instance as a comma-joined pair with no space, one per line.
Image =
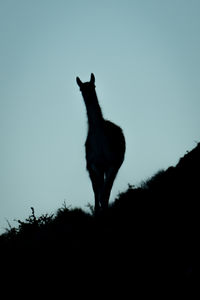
110,175
97,179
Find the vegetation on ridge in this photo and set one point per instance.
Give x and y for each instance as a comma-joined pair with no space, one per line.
150,229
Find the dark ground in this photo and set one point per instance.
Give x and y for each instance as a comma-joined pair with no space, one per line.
144,244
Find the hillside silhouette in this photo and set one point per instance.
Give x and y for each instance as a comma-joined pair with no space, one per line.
147,237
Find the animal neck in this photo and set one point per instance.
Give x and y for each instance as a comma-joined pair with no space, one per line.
94,113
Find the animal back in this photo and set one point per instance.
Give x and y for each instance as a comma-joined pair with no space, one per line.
105,146
115,139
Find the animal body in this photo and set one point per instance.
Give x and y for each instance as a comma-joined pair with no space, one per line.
105,146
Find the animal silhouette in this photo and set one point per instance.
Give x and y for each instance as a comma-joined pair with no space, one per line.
105,146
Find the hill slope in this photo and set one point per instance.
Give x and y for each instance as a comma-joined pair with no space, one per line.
147,236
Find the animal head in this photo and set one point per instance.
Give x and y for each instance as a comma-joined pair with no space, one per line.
86,87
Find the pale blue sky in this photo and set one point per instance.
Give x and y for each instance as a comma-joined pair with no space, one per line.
145,55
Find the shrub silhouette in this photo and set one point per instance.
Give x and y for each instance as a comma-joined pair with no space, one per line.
147,235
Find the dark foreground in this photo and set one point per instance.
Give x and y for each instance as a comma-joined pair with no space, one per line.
144,244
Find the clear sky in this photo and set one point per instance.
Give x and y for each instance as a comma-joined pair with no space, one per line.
145,55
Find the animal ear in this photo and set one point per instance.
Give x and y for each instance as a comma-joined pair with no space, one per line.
92,78
79,82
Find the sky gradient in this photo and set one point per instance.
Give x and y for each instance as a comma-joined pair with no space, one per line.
145,55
